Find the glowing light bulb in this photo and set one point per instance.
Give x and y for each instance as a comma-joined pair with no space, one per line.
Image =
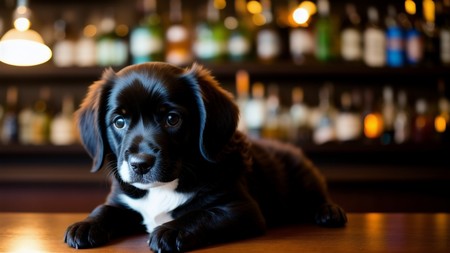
254,7
22,24
309,6
300,15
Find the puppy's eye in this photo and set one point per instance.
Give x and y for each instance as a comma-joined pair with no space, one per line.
173,119
119,122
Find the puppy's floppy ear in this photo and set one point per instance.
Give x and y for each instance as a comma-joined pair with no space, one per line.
219,114
90,119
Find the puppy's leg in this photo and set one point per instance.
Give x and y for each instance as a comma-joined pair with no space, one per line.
330,215
209,226
315,197
102,225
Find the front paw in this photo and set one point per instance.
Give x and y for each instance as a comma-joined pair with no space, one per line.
331,215
167,239
86,234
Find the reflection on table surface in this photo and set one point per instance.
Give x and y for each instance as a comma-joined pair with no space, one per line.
365,232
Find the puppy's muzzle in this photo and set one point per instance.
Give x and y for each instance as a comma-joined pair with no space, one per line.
141,163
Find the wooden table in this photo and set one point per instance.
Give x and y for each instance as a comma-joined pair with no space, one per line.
371,232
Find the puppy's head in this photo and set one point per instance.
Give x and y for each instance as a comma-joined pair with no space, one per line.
151,121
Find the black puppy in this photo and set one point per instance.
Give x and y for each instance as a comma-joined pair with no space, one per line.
180,169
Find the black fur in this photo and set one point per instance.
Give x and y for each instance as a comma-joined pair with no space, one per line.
238,186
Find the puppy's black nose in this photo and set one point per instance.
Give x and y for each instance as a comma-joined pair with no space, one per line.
141,163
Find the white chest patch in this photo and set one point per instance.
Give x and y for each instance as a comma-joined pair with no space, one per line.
157,204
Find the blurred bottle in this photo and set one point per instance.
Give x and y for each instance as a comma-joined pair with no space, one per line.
211,36
64,47
112,48
177,38
444,33
374,40
423,128
323,31
351,35
300,113
271,126
62,131
395,55
242,92
41,118
85,47
413,36
239,44
324,130
2,112
402,122
388,111
10,122
348,120
268,39
442,119
26,115
255,111
431,33
146,38
372,118
301,38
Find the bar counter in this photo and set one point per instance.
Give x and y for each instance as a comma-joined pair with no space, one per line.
365,232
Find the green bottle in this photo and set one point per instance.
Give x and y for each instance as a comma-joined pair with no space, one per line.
211,36
112,49
323,31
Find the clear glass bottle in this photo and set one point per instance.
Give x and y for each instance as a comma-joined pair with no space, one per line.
255,110
146,38
301,37
268,39
272,123
64,47
239,44
348,120
324,130
374,40
300,113
62,128
85,47
351,35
